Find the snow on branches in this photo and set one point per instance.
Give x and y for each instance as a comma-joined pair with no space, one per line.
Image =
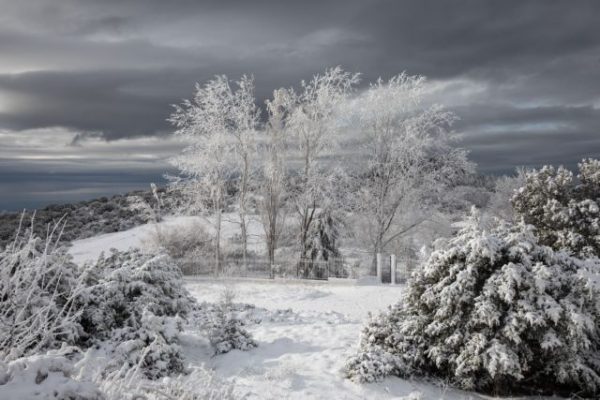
493,311
226,331
564,210
134,307
39,287
409,157
220,125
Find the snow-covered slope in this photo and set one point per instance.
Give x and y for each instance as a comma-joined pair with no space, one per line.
86,250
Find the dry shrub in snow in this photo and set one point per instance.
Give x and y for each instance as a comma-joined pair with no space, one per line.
38,288
493,311
199,384
178,241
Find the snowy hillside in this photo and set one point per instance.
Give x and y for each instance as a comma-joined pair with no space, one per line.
85,250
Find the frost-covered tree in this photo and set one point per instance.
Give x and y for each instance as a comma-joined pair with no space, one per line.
158,205
315,127
500,203
138,205
220,122
564,210
245,121
272,183
408,157
494,311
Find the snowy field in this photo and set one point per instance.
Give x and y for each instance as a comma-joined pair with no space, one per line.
305,331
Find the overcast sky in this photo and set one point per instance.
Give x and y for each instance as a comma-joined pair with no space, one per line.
86,86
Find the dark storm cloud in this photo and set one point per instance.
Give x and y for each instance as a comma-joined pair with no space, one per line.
492,39
115,103
522,75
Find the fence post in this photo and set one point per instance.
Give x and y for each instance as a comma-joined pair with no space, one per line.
379,277
393,269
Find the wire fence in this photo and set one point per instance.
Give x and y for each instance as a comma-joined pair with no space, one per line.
258,267
261,268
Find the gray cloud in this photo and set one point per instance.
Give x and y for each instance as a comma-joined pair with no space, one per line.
523,76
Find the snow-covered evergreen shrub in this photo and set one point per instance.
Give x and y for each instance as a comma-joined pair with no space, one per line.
225,330
564,210
322,238
493,311
321,245
123,285
135,302
38,288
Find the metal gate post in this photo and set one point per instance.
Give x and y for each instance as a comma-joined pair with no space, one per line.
379,276
393,269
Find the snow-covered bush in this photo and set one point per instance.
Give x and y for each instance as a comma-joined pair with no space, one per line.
56,376
135,303
225,330
492,311
123,285
564,210
38,289
46,376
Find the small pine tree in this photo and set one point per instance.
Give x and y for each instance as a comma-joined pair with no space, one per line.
321,245
226,332
493,311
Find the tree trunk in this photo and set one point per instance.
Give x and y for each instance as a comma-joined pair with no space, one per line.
242,206
244,240
218,242
377,248
303,236
272,237
271,251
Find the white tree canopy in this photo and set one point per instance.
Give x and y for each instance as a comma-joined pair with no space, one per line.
407,157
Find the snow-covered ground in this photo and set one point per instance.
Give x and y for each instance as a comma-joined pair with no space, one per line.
305,331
